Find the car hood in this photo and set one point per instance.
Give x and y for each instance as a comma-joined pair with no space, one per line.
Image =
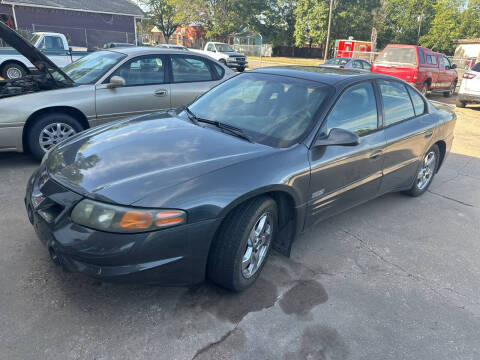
232,53
35,56
126,161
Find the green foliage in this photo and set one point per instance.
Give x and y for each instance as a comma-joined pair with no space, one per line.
445,27
277,22
311,22
353,18
163,14
470,21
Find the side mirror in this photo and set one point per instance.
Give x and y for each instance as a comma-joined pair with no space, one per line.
339,137
115,82
454,66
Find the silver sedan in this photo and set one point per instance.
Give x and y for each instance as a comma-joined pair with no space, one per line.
103,86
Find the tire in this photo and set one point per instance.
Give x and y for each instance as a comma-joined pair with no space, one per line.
460,103
420,187
232,245
241,69
451,91
12,71
424,89
69,126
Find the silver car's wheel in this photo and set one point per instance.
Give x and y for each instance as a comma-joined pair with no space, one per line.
427,170
257,245
54,133
13,73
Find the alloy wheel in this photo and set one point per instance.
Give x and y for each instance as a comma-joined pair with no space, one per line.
257,245
13,73
54,133
425,174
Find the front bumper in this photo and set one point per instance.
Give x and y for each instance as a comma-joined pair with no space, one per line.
237,64
175,256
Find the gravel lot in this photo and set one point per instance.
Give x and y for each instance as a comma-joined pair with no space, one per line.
396,278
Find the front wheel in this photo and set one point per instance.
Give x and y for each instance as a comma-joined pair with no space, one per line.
426,172
460,103
450,91
239,251
49,130
13,71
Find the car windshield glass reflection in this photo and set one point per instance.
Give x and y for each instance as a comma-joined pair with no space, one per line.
90,68
272,110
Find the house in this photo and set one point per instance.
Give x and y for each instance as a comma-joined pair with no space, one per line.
467,49
192,36
85,23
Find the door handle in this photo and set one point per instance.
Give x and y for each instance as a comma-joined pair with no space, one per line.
428,134
161,93
376,154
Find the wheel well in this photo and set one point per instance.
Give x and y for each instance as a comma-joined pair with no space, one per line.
287,219
14,62
429,82
443,149
77,114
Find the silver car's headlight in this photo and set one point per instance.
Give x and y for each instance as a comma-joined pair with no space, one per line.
119,219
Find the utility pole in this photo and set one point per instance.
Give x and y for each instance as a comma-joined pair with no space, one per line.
328,31
420,18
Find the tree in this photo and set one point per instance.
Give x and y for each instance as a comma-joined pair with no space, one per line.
277,22
354,18
470,20
163,14
445,27
311,22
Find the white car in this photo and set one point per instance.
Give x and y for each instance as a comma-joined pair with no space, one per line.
469,92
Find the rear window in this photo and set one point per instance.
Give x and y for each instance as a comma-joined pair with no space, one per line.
337,61
398,55
476,67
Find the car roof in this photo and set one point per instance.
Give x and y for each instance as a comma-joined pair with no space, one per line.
325,75
144,50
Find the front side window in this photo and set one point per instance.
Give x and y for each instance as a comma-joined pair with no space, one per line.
356,110
144,70
190,69
273,110
396,102
418,103
366,65
53,43
446,63
92,67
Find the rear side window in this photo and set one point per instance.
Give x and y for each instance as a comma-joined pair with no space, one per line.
398,55
421,56
418,103
476,67
219,70
431,59
355,111
190,69
396,102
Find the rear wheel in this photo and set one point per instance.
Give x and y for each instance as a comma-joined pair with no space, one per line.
239,251
12,71
424,89
426,172
50,129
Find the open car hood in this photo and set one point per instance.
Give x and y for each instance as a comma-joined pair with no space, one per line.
35,56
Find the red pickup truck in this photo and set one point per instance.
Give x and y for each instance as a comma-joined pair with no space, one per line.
421,67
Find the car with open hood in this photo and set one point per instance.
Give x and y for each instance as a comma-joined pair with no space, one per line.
207,191
39,110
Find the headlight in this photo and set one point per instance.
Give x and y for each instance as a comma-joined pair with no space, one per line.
229,59
119,219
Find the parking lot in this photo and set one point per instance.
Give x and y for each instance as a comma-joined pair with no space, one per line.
396,278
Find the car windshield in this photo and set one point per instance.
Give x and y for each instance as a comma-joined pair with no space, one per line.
337,61
92,67
223,47
272,110
398,55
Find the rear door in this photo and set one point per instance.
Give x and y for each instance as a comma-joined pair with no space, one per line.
191,77
408,131
344,176
448,75
146,89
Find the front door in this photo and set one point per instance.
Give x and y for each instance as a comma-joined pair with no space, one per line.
408,129
344,176
146,89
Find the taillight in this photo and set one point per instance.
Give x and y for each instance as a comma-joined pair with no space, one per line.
468,76
415,74
341,67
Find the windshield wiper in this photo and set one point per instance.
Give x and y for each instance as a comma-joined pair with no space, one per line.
229,128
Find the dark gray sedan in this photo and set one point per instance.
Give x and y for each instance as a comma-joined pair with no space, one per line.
207,191
348,63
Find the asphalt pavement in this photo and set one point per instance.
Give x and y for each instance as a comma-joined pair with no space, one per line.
396,278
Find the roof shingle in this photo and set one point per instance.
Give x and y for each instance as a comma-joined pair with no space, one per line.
125,7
